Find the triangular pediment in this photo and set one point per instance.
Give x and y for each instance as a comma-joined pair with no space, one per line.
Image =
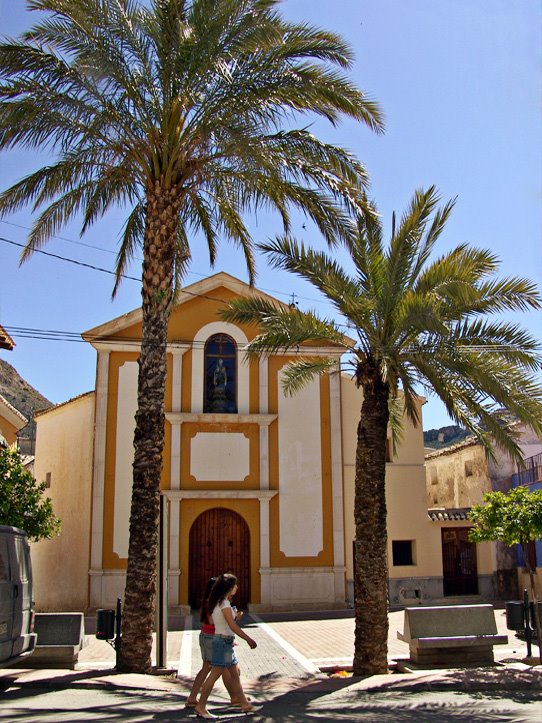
202,289
218,287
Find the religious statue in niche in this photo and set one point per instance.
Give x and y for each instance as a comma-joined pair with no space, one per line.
220,375
220,383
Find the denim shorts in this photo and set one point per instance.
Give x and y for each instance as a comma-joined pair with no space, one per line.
223,652
206,646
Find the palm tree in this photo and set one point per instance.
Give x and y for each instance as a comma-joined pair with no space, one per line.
177,111
417,323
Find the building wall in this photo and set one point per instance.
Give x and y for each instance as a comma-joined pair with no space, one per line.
457,476
8,430
274,463
406,508
64,438
11,421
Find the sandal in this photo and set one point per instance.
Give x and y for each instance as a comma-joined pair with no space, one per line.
251,710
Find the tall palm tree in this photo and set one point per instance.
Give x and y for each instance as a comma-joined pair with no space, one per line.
175,110
418,323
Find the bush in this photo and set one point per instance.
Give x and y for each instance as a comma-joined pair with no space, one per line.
22,503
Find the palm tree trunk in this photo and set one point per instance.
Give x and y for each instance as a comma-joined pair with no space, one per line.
157,293
371,566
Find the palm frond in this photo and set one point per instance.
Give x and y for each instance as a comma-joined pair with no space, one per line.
298,374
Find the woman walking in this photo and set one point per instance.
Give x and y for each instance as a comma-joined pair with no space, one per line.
205,645
218,606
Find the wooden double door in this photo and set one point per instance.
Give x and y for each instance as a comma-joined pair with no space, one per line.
460,571
219,542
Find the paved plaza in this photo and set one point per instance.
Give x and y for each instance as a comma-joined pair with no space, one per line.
294,653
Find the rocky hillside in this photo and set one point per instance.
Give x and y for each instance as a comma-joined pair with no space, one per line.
21,395
444,437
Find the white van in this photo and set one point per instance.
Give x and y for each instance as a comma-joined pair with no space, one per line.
17,636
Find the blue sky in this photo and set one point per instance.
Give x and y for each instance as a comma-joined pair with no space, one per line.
460,84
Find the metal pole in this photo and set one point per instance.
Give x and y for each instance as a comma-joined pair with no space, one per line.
118,637
526,618
162,596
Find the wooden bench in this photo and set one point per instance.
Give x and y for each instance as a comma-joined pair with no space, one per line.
451,635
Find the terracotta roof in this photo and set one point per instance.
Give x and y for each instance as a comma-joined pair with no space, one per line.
467,442
6,342
441,514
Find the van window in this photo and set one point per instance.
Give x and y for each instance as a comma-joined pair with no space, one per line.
20,551
4,560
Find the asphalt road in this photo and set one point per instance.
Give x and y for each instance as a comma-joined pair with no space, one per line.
39,705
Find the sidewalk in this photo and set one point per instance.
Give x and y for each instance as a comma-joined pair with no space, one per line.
291,653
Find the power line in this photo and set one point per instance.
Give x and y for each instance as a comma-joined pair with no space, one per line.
70,336
138,258
102,270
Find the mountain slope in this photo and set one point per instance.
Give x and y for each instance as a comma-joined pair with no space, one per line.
21,395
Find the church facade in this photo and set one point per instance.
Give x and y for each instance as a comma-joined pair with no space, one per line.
255,482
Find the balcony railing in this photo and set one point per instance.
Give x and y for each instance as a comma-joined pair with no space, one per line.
531,474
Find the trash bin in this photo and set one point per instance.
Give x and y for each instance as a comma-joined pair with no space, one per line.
514,615
105,624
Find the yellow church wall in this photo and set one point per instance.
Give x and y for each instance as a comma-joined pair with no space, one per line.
64,438
111,560
249,510
187,318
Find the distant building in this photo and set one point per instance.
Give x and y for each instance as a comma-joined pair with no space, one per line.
6,342
457,478
11,421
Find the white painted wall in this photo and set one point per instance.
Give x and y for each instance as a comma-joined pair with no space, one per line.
126,410
300,472
219,456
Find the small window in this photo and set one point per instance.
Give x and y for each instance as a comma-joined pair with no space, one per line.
402,552
220,369
468,469
22,558
389,450
47,480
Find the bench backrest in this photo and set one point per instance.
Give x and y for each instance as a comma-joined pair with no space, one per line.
60,628
448,621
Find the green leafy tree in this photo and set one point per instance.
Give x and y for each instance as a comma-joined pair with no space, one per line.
184,113
416,322
514,518
22,503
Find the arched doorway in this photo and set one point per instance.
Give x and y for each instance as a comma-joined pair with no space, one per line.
219,542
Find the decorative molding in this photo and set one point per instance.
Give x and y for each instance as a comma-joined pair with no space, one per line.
98,478
220,494
264,420
135,346
223,456
336,469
